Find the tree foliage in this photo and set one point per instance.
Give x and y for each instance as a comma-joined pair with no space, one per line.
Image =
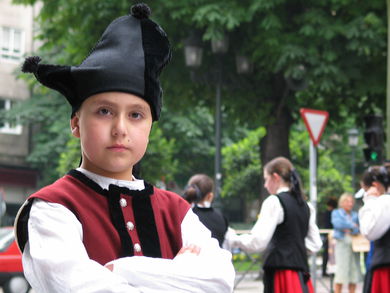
242,167
326,55
332,178
337,42
317,54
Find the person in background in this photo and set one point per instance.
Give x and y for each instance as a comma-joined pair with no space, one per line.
286,228
374,219
199,193
98,228
331,204
345,223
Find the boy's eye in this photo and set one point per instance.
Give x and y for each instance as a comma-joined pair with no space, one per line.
135,115
104,111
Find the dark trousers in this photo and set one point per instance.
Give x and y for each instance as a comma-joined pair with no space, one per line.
325,255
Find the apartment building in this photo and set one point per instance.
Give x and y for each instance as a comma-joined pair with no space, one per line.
17,179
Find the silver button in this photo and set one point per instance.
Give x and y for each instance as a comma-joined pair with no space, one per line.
123,202
130,225
137,247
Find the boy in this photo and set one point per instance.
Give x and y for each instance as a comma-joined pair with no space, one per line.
99,229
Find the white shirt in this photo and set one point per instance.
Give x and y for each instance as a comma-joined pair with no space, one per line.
374,216
55,259
271,215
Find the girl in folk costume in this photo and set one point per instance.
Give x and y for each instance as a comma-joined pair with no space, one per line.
199,193
374,219
98,228
285,229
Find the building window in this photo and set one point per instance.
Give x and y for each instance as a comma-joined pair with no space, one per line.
11,43
6,126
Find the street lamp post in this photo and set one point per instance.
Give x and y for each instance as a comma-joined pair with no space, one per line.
193,56
353,140
219,47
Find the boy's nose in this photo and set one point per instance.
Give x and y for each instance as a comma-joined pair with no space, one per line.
119,127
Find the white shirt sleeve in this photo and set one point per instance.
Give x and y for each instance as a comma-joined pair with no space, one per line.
374,216
313,240
210,271
55,260
271,215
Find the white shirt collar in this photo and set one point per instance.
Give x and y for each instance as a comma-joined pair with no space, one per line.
104,182
282,189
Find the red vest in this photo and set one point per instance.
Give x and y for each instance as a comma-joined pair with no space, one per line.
116,222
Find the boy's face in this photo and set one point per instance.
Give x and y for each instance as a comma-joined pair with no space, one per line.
114,129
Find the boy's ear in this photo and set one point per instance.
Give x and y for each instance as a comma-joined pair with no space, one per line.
74,126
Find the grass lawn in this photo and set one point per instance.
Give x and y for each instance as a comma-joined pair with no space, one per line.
242,262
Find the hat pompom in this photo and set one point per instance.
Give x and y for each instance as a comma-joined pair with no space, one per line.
30,65
140,11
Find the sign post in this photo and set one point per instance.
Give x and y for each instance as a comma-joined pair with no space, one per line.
315,122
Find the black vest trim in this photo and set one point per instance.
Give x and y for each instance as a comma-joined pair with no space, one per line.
149,190
22,224
87,181
143,215
119,221
146,226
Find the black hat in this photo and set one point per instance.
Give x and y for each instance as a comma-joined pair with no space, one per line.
129,58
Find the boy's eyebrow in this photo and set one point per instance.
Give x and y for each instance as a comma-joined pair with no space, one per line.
139,107
107,102
135,105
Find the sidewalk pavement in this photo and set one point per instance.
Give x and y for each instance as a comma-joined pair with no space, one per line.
251,284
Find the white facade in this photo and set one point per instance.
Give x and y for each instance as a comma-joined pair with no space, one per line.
17,180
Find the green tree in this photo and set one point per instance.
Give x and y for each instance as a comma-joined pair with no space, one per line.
332,178
326,55
48,118
317,54
243,168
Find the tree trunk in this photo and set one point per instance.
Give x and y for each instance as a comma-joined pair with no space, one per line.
276,141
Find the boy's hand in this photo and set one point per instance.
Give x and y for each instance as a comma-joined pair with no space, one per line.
109,266
189,249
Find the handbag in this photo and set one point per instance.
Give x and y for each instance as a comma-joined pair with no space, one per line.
360,243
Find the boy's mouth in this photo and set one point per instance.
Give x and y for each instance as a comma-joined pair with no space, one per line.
118,147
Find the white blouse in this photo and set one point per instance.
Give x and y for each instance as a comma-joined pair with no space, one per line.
374,216
271,215
55,259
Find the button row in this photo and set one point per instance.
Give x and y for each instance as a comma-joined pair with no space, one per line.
129,224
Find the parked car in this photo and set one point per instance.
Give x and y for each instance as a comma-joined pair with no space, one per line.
12,279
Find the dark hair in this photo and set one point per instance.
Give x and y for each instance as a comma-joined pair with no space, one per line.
198,187
376,174
285,169
332,202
